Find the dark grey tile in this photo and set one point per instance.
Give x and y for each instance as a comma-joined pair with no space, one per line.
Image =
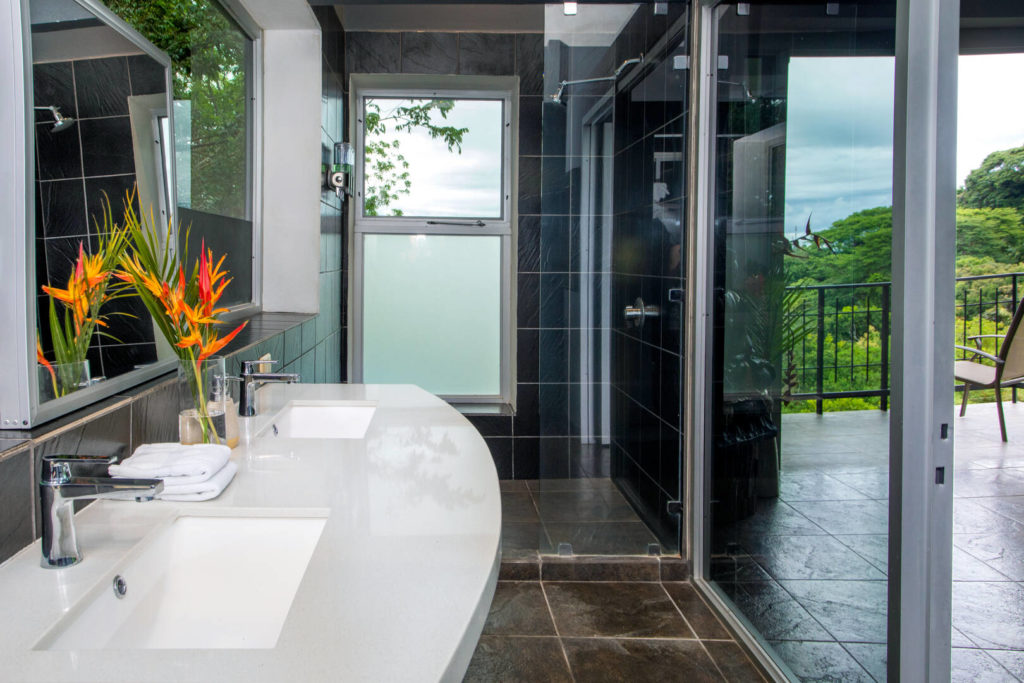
102,87
147,75
499,658
852,611
990,614
528,300
1008,506
519,609
804,486
674,568
821,662
614,609
1012,661
1003,551
810,557
502,451
988,483
53,86
527,457
846,516
733,568
583,506
16,501
520,568
774,612
529,245
700,617
372,52
491,54
529,185
635,660
59,154
107,146
530,126
530,63
155,415
871,656
977,665
733,662
518,507
563,485
600,569
429,53
62,208
872,547
111,193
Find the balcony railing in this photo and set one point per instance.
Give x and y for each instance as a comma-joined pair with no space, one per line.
846,352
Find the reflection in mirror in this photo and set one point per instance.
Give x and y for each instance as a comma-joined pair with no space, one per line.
99,104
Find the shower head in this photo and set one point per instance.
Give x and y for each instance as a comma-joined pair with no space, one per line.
60,122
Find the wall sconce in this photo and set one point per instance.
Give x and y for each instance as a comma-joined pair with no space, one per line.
569,9
336,177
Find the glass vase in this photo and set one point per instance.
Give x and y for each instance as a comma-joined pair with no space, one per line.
61,379
202,401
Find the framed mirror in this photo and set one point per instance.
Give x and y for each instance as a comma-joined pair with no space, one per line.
98,128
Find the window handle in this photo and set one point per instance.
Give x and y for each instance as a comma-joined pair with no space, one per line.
476,223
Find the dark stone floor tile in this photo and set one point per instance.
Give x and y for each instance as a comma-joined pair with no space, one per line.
805,486
775,613
601,569
519,538
811,557
602,538
733,568
518,507
519,609
519,569
512,486
563,485
700,617
872,547
872,656
614,609
821,662
966,567
977,666
772,518
583,506
971,517
638,660
852,611
733,662
990,614
842,516
1012,661
502,658
1008,506
989,482
1003,551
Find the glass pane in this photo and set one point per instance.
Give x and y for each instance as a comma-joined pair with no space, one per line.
433,158
803,230
212,73
432,312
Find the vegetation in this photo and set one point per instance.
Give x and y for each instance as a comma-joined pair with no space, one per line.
990,240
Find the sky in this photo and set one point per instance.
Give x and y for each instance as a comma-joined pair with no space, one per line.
839,130
451,184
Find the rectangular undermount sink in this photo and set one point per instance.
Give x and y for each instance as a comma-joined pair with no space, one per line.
205,582
322,420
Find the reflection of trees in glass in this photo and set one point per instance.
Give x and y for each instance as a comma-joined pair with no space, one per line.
209,55
385,167
998,182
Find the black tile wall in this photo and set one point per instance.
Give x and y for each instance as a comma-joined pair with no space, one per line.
74,168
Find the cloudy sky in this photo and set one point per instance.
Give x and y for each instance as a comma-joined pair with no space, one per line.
839,130
450,184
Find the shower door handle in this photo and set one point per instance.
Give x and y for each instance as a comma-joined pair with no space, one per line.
636,314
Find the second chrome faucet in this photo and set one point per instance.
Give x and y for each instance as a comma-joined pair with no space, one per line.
251,381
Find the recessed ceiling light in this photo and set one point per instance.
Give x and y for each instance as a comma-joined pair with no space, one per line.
569,8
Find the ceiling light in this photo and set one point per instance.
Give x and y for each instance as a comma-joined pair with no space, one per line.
569,9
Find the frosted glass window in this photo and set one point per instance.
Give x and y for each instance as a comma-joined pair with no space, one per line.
432,157
432,312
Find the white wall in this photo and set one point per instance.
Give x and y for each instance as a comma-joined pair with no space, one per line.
291,154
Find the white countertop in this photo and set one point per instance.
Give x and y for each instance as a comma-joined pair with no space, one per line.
398,586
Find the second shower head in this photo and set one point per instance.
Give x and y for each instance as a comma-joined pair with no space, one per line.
60,122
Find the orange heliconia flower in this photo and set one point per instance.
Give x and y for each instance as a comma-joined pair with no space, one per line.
85,288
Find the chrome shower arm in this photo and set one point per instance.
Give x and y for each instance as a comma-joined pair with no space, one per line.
557,97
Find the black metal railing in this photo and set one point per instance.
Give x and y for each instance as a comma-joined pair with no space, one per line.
845,353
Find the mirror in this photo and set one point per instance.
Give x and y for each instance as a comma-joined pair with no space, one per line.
100,104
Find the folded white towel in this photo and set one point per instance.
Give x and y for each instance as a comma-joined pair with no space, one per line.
204,490
184,464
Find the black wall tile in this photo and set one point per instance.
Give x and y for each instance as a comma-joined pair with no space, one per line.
491,54
147,75
107,146
430,53
503,452
58,154
16,503
53,85
529,245
112,189
553,359
372,52
527,355
60,208
102,87
529,185
530,63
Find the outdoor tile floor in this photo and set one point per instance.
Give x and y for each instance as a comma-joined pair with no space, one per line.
809,569
595,631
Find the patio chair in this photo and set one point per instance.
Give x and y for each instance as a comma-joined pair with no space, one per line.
1007,371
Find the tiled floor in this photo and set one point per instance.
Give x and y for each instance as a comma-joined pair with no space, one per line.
809,570
588,514
604,631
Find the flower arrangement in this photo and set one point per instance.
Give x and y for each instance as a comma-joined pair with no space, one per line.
183,306
89,288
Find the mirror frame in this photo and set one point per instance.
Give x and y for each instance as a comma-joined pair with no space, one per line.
19,392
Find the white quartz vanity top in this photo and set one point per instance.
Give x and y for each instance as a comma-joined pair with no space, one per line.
397,588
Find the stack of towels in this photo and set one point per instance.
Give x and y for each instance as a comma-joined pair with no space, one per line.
189,473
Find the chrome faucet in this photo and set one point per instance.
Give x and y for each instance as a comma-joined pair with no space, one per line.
251,381
64,479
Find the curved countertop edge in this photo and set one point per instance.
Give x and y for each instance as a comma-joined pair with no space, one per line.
406,415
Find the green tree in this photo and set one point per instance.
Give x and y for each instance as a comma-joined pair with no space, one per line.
387,169
998,182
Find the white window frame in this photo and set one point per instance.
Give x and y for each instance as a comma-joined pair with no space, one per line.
506,90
